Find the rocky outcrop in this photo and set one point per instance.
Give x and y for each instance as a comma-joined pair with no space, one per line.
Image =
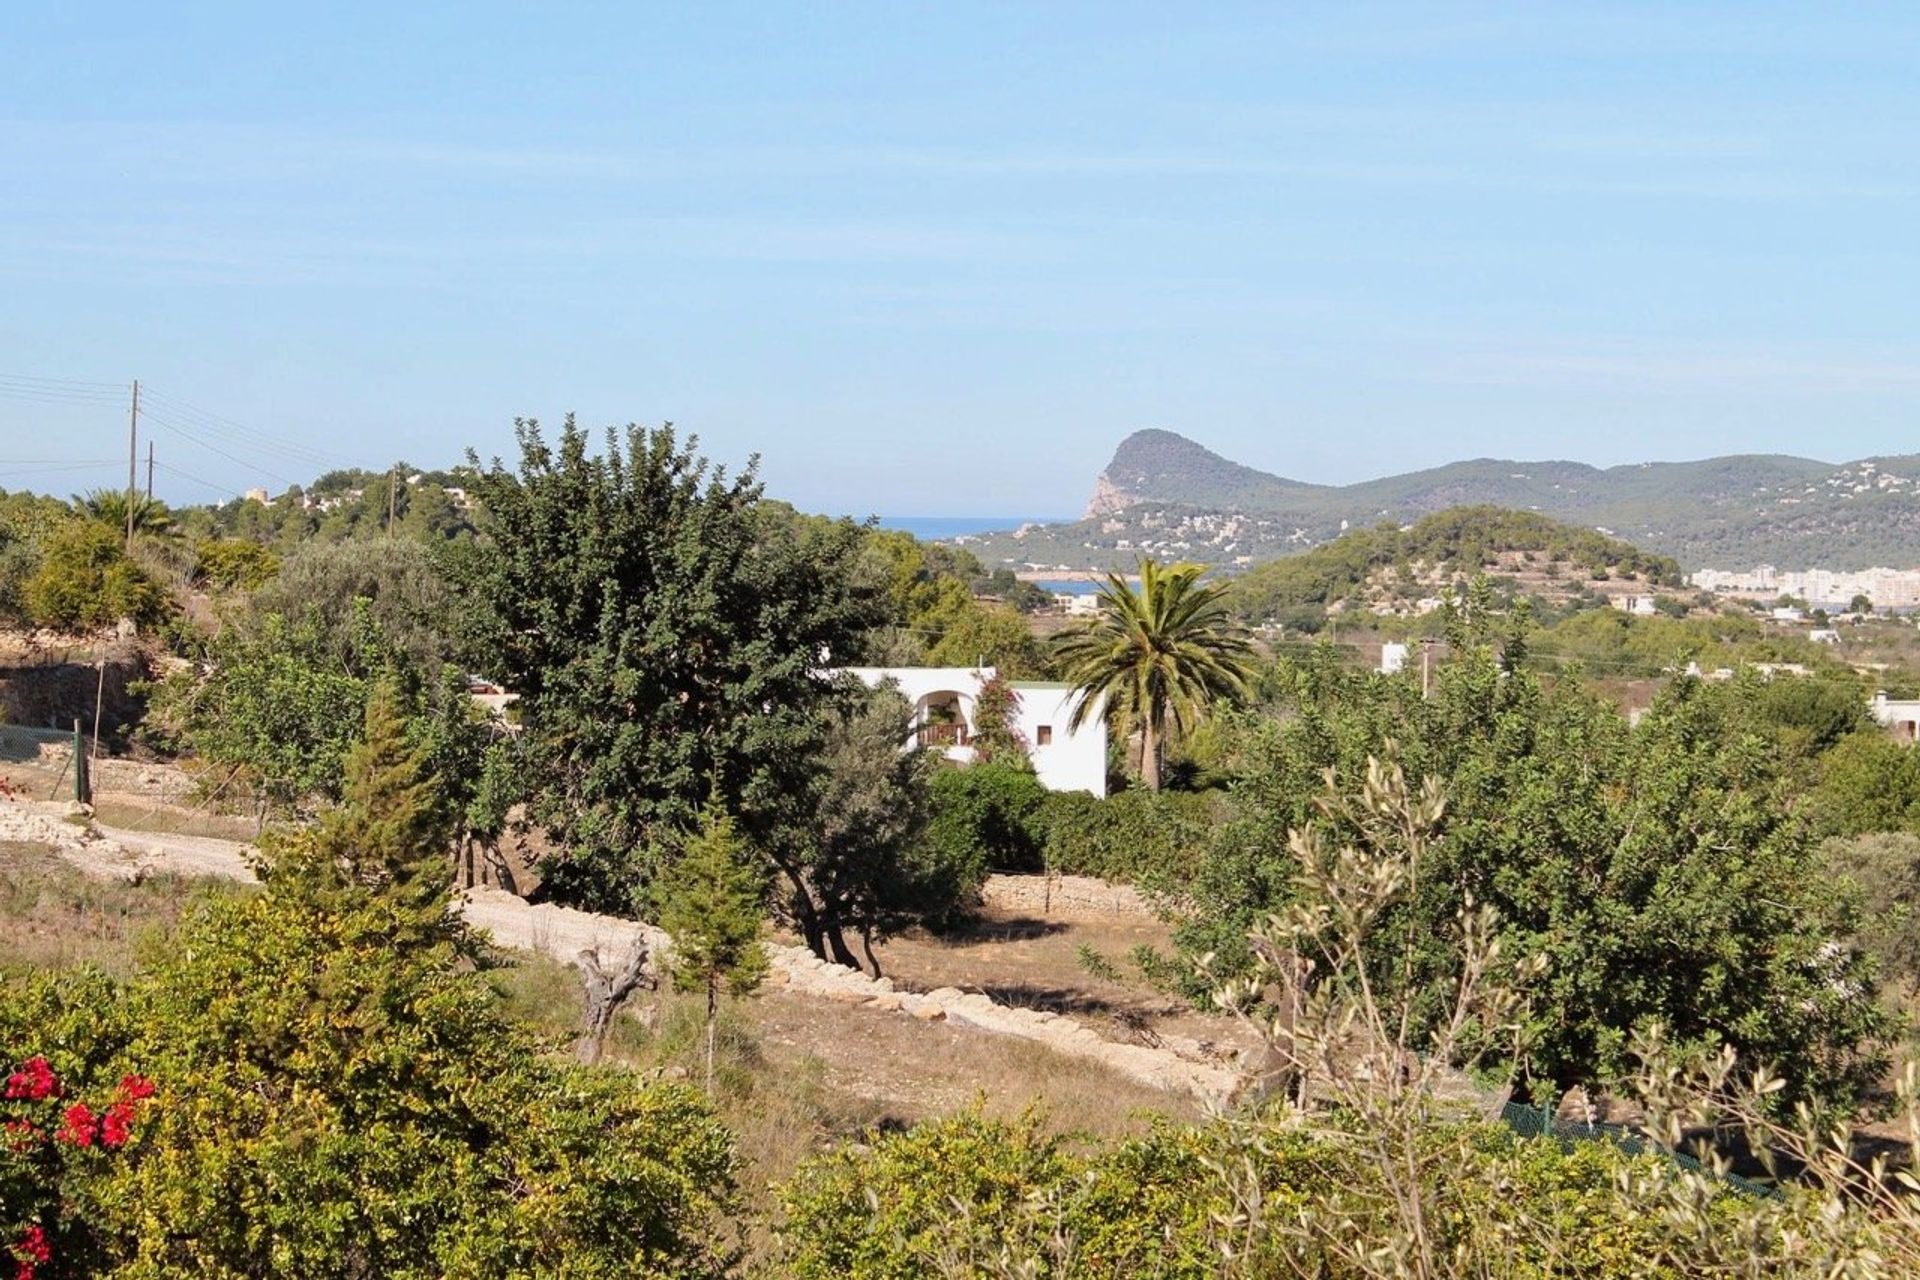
1107,498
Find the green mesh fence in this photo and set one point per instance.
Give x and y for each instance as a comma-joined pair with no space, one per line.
1540,1122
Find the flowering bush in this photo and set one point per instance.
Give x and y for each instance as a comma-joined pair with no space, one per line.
51,1140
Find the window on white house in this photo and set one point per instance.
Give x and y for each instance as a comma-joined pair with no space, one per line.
1043,736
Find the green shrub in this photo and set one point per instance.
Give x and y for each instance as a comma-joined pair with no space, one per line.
974,1196
226,563
85,581
989,816
331,1104
1133,836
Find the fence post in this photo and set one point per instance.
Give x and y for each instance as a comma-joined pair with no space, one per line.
82,779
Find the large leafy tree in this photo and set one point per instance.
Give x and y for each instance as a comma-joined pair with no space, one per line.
1657,869
853,855
1156,658
669,632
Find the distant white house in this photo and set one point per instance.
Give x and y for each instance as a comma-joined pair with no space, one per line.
1789,613
1393,657
943,701
1076,604
1638,606
1898,716
1824,635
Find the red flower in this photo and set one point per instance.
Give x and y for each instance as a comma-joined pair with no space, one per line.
135,1088
32,1249
116,1125
78,1125
34,1081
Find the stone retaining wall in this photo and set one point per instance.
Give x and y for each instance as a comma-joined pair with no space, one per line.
1063,896
563,933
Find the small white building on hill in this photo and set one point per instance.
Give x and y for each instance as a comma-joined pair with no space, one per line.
1898,716
943,720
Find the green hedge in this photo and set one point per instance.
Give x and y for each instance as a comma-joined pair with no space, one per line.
1131,836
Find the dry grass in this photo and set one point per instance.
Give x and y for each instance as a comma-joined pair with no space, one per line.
52,916
145,815
798,1074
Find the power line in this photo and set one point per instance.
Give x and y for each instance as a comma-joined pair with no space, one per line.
244,446
223,490
47,395
174,425
240,434
60,467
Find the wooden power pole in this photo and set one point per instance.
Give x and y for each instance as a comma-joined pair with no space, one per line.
149,471
133,457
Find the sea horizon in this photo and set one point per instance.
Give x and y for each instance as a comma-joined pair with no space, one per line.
956,526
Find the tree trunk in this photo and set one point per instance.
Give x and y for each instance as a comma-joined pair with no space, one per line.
866,945
805,913
1150,753
713,1014
834,935
604,993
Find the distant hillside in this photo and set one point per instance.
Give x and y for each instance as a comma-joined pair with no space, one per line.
1390,569
1163,494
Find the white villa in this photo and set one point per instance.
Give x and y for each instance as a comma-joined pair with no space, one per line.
1898,716
943,697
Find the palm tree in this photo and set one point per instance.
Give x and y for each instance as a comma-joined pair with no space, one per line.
1159,655
109,507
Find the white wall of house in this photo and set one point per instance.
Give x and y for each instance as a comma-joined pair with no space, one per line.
1898,716
943,701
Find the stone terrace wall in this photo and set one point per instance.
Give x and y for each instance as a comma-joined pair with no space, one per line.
1063,896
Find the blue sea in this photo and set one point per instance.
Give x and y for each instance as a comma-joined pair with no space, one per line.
953,526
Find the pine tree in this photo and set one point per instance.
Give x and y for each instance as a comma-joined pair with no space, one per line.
711,910
388,838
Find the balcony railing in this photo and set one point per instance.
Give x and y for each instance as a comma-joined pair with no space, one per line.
941,735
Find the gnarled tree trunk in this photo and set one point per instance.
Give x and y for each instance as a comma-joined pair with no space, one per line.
605,992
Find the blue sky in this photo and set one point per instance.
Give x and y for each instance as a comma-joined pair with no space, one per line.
941,258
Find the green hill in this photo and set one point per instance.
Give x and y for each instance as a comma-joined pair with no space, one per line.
1389,566
1166,495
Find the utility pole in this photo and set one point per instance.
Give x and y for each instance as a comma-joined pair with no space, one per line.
393,493
149,471
1426,666
133,456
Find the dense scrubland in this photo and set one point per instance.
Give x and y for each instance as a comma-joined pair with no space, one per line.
1413,903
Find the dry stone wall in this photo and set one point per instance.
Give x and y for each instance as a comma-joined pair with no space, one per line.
1063,896
563,934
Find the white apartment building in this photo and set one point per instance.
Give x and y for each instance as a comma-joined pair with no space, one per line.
1887,588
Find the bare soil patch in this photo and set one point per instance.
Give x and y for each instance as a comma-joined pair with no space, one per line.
1023,959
